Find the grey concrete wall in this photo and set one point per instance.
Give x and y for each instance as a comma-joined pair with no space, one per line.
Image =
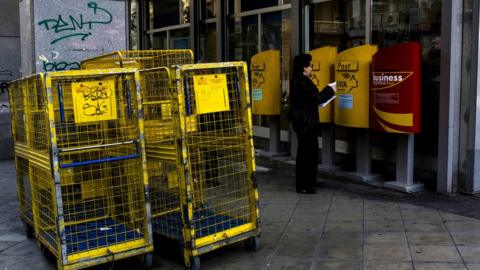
66,32
9,69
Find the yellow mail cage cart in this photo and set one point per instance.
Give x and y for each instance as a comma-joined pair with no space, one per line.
141,59
80,151
200,157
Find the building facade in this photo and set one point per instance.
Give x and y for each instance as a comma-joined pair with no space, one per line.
445,155
445,151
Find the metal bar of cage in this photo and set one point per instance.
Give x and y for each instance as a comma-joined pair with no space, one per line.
88,185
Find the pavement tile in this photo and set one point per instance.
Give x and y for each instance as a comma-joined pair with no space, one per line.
454,217
344,226
341,238
338,215
466,239
384,226
473,266
375,265
382,214
385,238
429,239
308,215
413,226
439,266
470,254
392,253
337,265
463,226
298,246
435,254
281,263
305,226
335,252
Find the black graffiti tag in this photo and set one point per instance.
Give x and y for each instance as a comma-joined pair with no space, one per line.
96,100
3,87
60,66
76,26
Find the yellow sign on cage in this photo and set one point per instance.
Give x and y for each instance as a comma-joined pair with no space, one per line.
211,93
94,101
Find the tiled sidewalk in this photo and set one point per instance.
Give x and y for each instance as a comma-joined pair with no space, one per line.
334,229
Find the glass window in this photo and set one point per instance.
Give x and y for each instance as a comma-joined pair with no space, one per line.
276,35
243,38
163,13
180,38
208,41
210,8
338,23
158,40
396,21
256,4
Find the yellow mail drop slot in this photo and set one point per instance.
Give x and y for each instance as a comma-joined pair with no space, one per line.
323,60
352,74
265,81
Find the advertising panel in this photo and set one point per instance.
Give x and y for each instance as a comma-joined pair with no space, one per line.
395,90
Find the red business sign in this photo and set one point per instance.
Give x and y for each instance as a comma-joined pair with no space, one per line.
395,89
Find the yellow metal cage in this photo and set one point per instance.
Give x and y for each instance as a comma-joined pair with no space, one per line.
81,166
202,169
141,59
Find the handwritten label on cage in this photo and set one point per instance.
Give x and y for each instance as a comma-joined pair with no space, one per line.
211,93
94,101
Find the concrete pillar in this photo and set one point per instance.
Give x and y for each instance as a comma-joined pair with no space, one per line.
9,70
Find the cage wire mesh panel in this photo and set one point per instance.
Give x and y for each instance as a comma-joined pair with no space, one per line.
30,134
144,59
219,155
161,149
93,209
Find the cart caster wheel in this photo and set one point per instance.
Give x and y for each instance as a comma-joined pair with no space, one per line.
252,243
194,263
29,231
146,260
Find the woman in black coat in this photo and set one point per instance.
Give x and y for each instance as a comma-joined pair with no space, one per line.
305,99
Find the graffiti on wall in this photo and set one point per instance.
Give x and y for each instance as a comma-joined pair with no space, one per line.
78,25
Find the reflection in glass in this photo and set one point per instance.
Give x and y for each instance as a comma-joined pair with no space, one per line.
180,38
158,41
208,47
243,38
210,8
276,35
256,4
394,22
163,13
338,23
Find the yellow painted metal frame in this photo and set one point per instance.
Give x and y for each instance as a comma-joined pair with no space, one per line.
50,164
141,59
195,246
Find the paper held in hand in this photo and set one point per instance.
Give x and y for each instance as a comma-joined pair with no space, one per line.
333,85
327,102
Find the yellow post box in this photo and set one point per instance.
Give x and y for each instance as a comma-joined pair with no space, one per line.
352,74
323,60
265,70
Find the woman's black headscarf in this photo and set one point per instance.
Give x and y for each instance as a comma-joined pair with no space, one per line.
299,62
